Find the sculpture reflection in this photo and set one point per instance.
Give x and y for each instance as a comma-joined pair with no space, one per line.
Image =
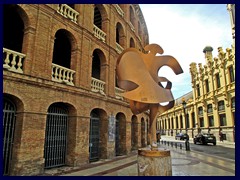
137,74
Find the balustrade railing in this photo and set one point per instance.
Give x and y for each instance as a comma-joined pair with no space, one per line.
62,74
119,48
68,12
97,85
13,61
139,38
132,27
119,10
118,92
99,33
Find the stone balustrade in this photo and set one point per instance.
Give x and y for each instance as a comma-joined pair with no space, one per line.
62,74
119,10
12,60
118,92
131,26
139,38
99,33
97,85
119,48
68,12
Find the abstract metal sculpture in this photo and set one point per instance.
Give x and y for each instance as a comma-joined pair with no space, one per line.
137,74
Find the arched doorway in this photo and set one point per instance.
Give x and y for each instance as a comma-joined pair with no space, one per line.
55,147
9,119
94,135
98,135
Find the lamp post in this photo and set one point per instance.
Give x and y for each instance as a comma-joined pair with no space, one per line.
187,145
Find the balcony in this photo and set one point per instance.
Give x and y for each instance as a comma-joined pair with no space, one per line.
119,10
99,33
131,26
68,12
62,74
119,48
139,38
97,86
12,60
118,92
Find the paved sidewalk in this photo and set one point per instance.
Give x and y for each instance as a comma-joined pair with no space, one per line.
184,163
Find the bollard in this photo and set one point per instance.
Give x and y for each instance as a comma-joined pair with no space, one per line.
175,145
181,146
187,145
171,144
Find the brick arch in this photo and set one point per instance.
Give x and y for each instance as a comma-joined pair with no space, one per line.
132,43
104,15
17,133
24,15
103,131
132,15
71,55
103,62
71,132
122,34
16,100
73,37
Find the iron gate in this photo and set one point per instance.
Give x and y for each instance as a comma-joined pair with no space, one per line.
117,145
56,137
9,118
94,138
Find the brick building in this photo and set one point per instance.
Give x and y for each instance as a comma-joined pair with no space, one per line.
61,102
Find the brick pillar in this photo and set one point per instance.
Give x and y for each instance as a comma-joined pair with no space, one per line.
28,148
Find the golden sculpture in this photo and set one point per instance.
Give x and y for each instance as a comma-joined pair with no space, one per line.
137,74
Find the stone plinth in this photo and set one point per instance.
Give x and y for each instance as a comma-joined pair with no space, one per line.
154,162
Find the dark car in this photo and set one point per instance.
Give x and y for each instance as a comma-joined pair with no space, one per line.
181,136
205,138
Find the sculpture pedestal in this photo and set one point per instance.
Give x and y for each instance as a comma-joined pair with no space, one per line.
155,162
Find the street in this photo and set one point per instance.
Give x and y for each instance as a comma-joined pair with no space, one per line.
217,150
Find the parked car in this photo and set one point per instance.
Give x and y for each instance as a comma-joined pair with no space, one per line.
181,136
205,138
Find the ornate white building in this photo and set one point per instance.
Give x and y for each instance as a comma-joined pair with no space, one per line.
211,103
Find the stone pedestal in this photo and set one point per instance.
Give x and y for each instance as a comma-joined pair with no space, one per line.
156,162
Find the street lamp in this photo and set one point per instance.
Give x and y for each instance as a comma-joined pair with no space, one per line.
187,145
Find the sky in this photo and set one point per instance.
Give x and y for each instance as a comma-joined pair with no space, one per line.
183,31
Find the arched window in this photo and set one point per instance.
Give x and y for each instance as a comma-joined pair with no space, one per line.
62,49
97,18
139,30
131,15
13,28
96,65
132,43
